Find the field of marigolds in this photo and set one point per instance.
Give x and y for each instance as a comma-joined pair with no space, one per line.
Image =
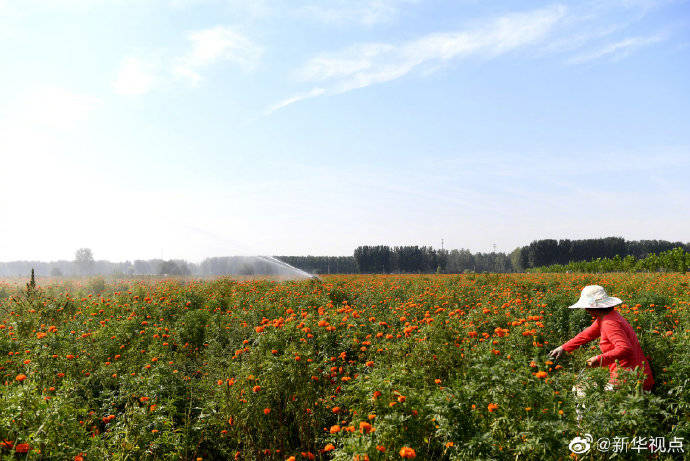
438,367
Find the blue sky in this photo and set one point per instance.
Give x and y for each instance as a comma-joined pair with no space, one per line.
195,128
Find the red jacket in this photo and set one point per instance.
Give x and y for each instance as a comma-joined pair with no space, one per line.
618,342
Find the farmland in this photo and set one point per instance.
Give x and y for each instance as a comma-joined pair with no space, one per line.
348,367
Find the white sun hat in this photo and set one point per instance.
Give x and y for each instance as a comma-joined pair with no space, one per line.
595,297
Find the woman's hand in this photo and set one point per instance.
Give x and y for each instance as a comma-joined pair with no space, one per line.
593,362
556,353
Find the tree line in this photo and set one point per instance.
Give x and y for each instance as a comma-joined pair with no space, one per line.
549,251
416,259
365,259
539,253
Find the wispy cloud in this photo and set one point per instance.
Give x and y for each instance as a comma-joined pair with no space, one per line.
554,29
617,50
293,99
574,41
214,45
140,75
371,63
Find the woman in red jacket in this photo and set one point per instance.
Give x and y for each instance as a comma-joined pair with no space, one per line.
618,340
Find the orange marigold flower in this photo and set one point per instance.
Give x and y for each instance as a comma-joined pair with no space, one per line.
541,374
267,411
22,448
335,429
329,447
491,407
20,377
381,448
408,453
365,427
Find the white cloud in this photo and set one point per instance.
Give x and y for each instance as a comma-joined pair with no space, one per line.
370,63
293,99
214,45
617,50
207,47
355,59
136,76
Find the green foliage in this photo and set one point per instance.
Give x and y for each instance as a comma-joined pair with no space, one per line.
192,327
96,285
675,260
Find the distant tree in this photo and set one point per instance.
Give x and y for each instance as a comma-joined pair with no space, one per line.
31,286
56,272
173,267
373,259
543,252
322,264
83,259
517,260
442,260
142,267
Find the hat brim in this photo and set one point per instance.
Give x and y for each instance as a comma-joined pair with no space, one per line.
609,301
